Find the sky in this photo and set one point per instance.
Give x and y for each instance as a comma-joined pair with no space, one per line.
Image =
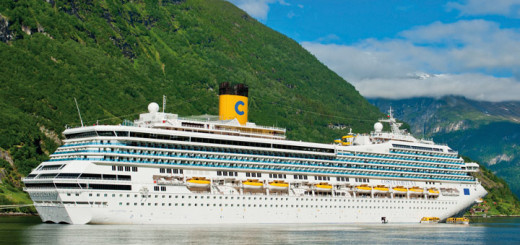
409,48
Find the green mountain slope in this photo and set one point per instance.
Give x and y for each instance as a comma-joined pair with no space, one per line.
117,56
500,200
488,132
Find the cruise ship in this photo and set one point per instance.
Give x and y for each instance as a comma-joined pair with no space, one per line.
165,169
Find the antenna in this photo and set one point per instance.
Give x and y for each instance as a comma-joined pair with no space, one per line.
163,102
81,120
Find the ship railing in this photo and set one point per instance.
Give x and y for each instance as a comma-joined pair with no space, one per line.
391,156
92,143
201,150
428,155
245,159
292,170
217,122
270,162
398,158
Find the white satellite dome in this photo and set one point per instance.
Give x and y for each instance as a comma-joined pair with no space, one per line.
153,107
378,127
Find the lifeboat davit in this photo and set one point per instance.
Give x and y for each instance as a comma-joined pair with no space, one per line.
400,189
416,189
278,185
363,189
252,184
324,186
381,189
198,182
433,192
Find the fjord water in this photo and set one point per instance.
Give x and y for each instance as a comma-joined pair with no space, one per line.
30,230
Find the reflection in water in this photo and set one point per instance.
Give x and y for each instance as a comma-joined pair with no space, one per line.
29,230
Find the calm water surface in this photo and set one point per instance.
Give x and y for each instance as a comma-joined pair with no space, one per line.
30,230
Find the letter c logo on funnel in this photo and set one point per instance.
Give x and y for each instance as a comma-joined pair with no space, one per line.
239,103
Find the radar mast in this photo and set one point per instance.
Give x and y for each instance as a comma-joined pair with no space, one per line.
394,125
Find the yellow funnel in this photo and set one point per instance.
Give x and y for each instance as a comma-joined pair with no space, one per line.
233,102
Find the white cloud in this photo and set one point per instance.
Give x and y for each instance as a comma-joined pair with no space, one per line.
291,14
328,38
469,45
468,54
487,7
256,8
259,9
473,86
282,2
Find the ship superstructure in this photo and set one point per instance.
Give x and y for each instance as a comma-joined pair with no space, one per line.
164,169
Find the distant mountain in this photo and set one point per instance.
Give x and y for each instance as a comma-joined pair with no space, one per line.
488,132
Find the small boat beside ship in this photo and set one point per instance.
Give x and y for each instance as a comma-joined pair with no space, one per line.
430,220
458,220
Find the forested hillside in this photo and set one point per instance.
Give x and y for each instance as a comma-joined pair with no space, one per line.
500,200
117,56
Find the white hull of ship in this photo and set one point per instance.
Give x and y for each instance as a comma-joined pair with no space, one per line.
248,210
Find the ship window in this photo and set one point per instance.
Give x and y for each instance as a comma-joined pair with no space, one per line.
90,176
110,187
122,133
51,167
68,176
46,176
67,186
124,177
81,135
109,177
105,133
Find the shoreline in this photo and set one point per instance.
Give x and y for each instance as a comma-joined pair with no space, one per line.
469,216
493,216
18,214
